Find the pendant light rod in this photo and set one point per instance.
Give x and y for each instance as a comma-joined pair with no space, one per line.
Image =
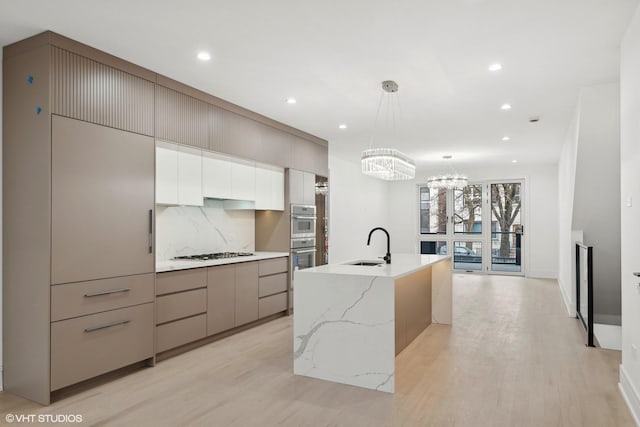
387,163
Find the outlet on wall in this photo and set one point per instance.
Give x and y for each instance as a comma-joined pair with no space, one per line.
634,351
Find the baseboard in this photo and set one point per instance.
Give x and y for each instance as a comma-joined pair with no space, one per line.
567,300
630,395
540,274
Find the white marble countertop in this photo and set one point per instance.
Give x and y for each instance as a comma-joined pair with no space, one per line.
172,265
401,264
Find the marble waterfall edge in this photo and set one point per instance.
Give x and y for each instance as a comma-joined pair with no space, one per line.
344,330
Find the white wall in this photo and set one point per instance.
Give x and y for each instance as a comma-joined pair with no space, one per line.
540,214
566,183
596,196
357,203
1,258
630,224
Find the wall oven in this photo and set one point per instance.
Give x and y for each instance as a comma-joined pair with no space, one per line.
303,253
303,221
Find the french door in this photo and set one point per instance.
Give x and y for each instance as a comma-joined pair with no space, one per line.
480,225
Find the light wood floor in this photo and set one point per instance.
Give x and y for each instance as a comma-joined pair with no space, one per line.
512,358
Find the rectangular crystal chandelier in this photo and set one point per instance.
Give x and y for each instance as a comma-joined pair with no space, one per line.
388,164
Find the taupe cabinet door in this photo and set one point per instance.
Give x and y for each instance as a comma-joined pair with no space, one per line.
247,290
221,294
102,199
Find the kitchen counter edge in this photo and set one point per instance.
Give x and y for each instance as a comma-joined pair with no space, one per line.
401,265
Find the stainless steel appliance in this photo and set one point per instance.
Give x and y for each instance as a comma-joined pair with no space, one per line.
303,221
303,253
303,242
216,255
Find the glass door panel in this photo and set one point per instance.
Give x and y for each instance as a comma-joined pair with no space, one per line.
467,255
506,227
467,209
433,211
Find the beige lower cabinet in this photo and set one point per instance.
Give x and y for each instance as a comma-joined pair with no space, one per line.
183,331
272,287
221,298
181,307
246,292
87,346
195,303
272,304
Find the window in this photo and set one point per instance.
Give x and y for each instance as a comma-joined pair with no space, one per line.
433,211
467,205
487,231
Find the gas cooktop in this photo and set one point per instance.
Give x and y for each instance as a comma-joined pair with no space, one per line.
217,255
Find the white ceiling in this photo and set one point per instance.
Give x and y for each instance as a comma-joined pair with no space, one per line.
332,55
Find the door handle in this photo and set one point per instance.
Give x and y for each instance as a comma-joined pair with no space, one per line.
303,217
106,325
150,231
112,291
306,251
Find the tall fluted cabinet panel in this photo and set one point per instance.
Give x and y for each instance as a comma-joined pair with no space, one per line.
96,93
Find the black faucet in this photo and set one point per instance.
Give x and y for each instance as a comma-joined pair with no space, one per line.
387,257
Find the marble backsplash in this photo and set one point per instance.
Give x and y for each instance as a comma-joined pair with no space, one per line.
189,230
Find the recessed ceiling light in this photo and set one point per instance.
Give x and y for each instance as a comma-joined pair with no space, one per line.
204,56
514,161
291,100
342,126
505,107
505,138
495,67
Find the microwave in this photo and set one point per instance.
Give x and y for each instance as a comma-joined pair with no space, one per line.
303,221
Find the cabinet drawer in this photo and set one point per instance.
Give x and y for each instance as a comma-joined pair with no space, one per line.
273,284
273,266
271,305
79,299
182,280
183,304
88,346
180,332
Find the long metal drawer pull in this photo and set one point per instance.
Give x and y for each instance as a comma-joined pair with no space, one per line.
106,325
112,291
303,217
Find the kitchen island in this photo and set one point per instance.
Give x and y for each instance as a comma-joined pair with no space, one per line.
350,321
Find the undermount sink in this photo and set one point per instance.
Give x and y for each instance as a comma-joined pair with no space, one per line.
366,263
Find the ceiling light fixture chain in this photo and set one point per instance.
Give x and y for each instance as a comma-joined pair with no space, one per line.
387,163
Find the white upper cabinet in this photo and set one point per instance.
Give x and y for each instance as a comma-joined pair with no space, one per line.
190,176
269,188
309,188
187,175
178,175
277,190
166,173
302,187
243,181
216,176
